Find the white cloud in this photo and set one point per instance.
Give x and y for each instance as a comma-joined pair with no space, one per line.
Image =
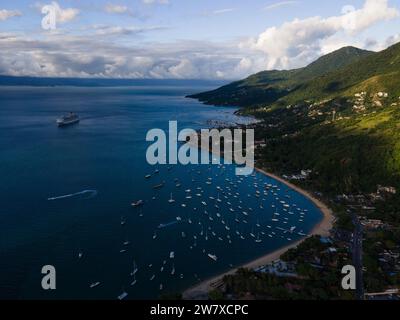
155,1
62,15
392,40
105,30
104,51
280,4
117,9
299,41
7,14
64,55
222,11
218,12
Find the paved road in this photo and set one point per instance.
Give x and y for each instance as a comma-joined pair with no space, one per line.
357,253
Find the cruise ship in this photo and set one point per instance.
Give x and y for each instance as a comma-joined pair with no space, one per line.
68,120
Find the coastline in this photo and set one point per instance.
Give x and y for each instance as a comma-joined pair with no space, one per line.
200,291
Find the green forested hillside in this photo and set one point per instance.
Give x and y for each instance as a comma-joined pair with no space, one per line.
341,121
339,116
269,86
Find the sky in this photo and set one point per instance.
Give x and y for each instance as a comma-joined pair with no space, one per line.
186,39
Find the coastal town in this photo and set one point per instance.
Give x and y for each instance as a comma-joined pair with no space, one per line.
365,232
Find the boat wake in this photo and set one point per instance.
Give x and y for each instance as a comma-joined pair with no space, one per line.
166,225
85,194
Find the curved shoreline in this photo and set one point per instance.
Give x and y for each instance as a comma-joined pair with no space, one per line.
200,291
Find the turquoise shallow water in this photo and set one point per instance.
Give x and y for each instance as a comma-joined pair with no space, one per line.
105,153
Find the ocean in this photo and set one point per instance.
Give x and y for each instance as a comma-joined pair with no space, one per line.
93,171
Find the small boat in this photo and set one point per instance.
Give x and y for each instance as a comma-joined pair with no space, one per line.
135,269
137,203
159,186
94,285
152,277
173,270
155,236
212,257
68,120
178,219
123,221
171,200
134,281
148,176
172,255
122,296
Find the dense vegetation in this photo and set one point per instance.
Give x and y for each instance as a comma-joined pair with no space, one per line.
339,117
269,87
356,152
312,283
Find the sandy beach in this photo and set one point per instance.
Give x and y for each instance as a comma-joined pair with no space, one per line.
200,291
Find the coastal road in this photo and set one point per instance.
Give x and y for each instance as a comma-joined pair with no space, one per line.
357,253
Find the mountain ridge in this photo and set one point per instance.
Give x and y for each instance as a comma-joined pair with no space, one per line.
321,79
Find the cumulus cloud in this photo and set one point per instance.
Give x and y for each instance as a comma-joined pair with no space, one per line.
63,55
104,50
300,40
7,14
62,15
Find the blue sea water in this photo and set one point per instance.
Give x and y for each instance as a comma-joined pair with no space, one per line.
93,171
